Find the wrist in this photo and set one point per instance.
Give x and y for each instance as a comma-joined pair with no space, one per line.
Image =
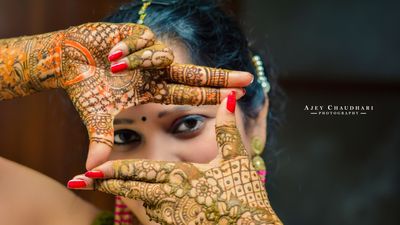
29,64
45,61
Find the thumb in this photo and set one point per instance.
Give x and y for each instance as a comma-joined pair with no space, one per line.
228,137
101,135
98,154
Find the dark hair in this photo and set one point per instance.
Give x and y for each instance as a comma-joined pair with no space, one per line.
213,39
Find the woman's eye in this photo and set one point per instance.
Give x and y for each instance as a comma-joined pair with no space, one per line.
188,124
125,136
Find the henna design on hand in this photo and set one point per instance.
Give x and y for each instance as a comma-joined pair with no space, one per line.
187,95
75,59
230,141
199,76
29,64
156,56
226,192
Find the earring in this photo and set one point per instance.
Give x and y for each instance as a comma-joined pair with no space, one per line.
257,161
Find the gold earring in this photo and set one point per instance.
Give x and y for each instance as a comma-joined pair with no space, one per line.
257,161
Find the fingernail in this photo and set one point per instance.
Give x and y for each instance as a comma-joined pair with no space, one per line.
115,55
76,184
117,67
94,174
231,104
244,91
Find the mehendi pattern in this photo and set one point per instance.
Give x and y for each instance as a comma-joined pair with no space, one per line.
200,76
183,193
75,59
28,65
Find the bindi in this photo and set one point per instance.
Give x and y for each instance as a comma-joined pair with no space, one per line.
144,118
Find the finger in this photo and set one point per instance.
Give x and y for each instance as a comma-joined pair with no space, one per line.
99,152
179,94
206,76
153,57
80,182
101,136
144,170
134,37
148,192
228,137
136,169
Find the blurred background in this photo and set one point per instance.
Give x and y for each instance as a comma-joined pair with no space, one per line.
324,169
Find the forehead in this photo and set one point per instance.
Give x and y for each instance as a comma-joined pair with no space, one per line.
181,53
158,111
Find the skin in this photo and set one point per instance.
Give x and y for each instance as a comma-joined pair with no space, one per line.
155,140
23,200
46,209
47,213
202,141
76,60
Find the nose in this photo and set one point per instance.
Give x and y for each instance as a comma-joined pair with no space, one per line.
160,146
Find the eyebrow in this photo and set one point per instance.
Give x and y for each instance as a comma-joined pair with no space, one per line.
175,109
122,121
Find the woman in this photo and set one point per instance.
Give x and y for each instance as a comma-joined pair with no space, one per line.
174,190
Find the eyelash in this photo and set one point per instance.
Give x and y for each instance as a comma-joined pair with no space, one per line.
176,125
135,138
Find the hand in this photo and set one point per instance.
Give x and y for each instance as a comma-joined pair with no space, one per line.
76,60
228,190
99,95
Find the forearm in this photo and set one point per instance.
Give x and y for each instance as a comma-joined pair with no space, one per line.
29,64
23,202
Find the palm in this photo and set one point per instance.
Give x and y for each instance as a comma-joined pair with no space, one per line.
98,95
101,96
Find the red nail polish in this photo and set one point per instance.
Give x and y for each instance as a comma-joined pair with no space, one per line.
231,104
114,56
117,67
76,184
94,174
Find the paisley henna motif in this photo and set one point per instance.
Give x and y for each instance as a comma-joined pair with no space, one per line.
183,193
75,59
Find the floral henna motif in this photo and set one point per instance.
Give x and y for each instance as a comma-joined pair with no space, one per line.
231,193
183,193
96,93
158,56
76,60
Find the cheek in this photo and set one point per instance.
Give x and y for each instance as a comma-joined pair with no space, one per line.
201,149
127,153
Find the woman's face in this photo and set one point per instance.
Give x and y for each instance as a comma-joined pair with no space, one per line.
168,132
